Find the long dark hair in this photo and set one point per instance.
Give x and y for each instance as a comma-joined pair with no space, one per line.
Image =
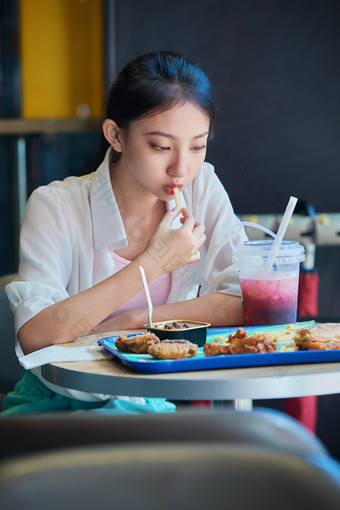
152,83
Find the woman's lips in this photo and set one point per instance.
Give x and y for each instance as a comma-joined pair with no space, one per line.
169,189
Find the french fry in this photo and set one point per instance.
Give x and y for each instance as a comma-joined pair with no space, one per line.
177,199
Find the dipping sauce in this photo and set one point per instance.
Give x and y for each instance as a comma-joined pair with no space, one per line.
176,325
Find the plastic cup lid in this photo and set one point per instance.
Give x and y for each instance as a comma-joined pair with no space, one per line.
291,251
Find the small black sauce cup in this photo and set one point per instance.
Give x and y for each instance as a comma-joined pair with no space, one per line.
195,333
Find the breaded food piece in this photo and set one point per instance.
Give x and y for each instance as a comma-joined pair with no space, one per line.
173,349
240,343
280,335
316,345
240,333
256,343
138,344
318,335
215,349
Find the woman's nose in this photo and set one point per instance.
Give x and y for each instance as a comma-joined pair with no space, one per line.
178,166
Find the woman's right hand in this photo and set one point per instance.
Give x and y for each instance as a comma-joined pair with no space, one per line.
170,248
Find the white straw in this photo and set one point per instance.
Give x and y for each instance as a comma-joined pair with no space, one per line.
281,232
148,297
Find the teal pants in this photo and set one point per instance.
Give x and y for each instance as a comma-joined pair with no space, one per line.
30,395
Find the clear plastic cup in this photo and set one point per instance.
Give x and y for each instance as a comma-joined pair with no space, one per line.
269,295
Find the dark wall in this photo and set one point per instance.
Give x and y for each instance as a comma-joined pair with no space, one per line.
276,68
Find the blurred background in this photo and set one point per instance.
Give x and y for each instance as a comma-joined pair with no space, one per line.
275,65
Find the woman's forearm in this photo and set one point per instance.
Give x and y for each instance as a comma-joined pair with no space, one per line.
218,309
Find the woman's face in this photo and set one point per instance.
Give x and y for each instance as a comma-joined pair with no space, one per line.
165,150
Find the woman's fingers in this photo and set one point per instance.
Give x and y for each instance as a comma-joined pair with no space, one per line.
168,218
193,229
177,247
188,221
188,216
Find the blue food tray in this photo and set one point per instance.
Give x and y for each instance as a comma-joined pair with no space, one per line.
144,363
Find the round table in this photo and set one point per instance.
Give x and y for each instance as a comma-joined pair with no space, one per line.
242,385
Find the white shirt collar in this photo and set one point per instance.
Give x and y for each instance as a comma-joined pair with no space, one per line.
108,227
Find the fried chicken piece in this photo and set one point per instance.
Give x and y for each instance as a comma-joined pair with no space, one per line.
240,343
317,335
240,333
173,349
138,344
215,349
256,343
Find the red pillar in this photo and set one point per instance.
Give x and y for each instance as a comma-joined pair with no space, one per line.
304,409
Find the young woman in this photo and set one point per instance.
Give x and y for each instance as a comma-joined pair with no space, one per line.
83,239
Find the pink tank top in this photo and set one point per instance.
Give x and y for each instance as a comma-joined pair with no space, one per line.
159,289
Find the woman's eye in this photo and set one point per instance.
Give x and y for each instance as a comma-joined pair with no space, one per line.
159,147
198,149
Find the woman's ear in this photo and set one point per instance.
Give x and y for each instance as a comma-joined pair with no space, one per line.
113,134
